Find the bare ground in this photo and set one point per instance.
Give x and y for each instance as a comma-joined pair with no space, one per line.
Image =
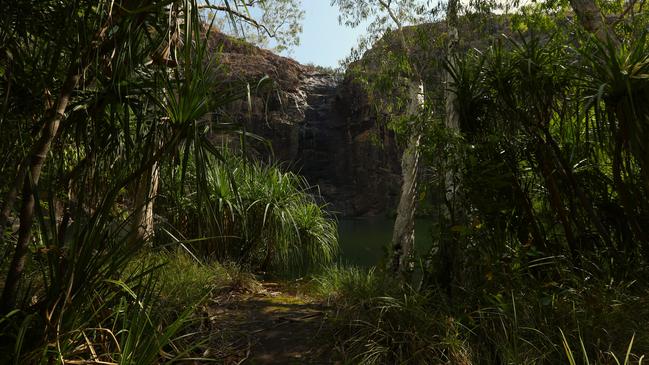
273,324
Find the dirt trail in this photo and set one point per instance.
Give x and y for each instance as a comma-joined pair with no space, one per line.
273,325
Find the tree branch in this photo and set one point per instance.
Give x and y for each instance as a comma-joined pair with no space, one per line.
240,15
624,13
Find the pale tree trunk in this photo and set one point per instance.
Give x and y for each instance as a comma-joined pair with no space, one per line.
452,115
590,17
146,192
403,235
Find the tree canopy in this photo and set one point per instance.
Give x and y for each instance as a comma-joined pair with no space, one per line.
267,23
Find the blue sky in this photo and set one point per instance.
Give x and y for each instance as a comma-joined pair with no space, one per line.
324,42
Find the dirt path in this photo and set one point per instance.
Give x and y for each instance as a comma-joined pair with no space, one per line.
274,325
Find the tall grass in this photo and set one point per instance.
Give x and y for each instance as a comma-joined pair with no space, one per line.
184,279
85,305
608,357
253,214
379,321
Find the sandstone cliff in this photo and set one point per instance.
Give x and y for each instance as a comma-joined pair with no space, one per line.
331,130
315,124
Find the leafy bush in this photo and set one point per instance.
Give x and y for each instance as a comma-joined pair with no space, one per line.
253,214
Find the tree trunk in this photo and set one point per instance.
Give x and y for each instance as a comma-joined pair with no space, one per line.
37,157
592,20
556,202
528,212
403,235
452,122
10,199
146,192
583,197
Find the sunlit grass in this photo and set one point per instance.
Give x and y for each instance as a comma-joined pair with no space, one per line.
256,215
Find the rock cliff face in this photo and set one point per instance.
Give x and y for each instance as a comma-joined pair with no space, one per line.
325,128
316,125
342,150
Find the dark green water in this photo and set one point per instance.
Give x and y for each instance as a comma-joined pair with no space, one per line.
363,242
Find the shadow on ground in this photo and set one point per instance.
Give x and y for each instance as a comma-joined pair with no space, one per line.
273,326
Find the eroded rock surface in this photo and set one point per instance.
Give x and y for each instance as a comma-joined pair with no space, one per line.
317,125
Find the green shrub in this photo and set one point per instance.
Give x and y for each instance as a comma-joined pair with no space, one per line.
253,214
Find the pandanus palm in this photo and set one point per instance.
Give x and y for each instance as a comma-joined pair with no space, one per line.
86,58
114,88
615,78
123,82
582,157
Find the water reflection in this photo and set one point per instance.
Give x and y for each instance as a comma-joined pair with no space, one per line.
363,242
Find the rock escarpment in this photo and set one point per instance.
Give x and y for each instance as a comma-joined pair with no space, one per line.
326,128
317,125
342,149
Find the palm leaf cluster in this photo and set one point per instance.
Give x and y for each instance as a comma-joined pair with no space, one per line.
542,250
556,132
554,191
99,101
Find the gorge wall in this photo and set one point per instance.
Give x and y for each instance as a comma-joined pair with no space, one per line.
314,124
